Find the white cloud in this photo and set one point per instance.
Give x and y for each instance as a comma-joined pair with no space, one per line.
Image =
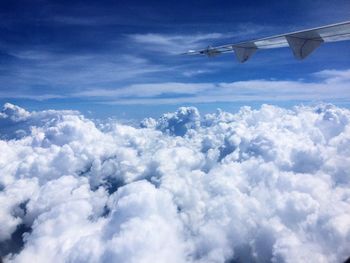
174,44
334,76
54,75
329,84
148,90
179,43
267,185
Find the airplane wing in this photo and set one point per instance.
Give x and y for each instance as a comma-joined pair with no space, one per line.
301,42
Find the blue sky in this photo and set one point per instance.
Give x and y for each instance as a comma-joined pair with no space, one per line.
120,58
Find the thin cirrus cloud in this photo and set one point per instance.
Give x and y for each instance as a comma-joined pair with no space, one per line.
173,43
71,72
327,84
179,43
323,85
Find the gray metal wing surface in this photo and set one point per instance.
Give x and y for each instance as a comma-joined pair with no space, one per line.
302,43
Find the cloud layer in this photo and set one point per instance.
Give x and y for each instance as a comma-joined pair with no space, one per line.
325,85
267,185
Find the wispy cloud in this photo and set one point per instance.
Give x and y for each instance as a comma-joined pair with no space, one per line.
67,73
173,44
149,90
169,39
334,76
177,43
326,84
329,84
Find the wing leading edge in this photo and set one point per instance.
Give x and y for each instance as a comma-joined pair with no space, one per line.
302,43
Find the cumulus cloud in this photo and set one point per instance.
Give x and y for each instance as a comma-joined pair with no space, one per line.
266,185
